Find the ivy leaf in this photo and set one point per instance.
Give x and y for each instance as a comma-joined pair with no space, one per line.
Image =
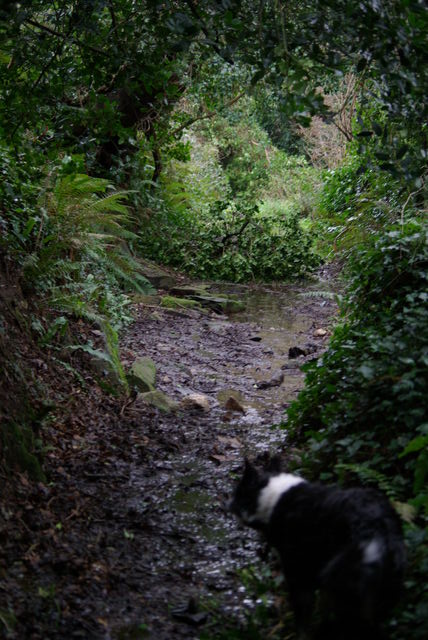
418,443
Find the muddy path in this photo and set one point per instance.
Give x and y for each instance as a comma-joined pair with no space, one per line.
130,537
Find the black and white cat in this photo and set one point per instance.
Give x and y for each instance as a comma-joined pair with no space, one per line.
346,543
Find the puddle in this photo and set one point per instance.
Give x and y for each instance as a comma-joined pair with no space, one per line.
189,501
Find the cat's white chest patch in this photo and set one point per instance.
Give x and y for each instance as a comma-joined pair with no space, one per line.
272,492
373,551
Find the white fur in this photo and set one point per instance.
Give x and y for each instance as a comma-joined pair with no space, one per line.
372,551
272,492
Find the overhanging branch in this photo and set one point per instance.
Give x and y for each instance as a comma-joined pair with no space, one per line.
208,115
63,36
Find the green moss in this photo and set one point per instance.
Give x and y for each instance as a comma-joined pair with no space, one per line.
18,447
142,374
170,302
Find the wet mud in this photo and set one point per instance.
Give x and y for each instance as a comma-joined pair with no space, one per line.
130,537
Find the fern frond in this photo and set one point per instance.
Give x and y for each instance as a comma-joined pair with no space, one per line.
327,295
369,476
112,203
112,345
126,268
78,184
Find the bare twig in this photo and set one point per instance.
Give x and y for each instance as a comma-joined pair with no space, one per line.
209,114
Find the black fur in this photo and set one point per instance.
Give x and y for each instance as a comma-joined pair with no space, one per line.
322,534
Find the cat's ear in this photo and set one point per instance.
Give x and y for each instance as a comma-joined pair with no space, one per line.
250,472
274,465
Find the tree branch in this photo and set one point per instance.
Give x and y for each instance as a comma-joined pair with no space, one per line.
233,234
63,36
205,31
208,115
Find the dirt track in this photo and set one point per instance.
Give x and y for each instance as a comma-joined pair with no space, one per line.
130,536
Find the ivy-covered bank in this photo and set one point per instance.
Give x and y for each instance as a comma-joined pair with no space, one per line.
363,415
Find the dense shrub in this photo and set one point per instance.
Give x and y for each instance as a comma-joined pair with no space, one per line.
356,202
235,244
364,408
233,210
21,175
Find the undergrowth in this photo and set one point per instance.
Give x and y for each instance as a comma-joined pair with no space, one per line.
63,249
265,607
362,415
233,209
233,242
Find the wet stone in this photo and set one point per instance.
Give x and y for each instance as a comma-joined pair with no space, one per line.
142,374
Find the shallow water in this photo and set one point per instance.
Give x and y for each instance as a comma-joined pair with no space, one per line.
275,317
199,548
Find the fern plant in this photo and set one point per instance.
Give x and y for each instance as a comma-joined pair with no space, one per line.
79,258
79,217
82,228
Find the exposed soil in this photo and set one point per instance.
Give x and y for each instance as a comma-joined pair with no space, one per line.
129,537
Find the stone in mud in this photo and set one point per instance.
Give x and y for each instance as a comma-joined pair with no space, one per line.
196,401
157,277
275,381
310,347
189,613
142,298
219,304
296,352
232,404
105,371
171,302
187,290
233,306
142,374
320,333
307,349
158,399
291,366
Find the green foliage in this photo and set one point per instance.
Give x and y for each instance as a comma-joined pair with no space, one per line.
70,237
271,115
234,242
74,74
245,151
363,409
19,190
78,236
356,202
210,220
292,178
191,187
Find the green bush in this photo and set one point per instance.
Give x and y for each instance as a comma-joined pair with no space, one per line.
364,407
20,185
233,212
235,243
355,203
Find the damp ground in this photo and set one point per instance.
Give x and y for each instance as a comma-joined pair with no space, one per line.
130,537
